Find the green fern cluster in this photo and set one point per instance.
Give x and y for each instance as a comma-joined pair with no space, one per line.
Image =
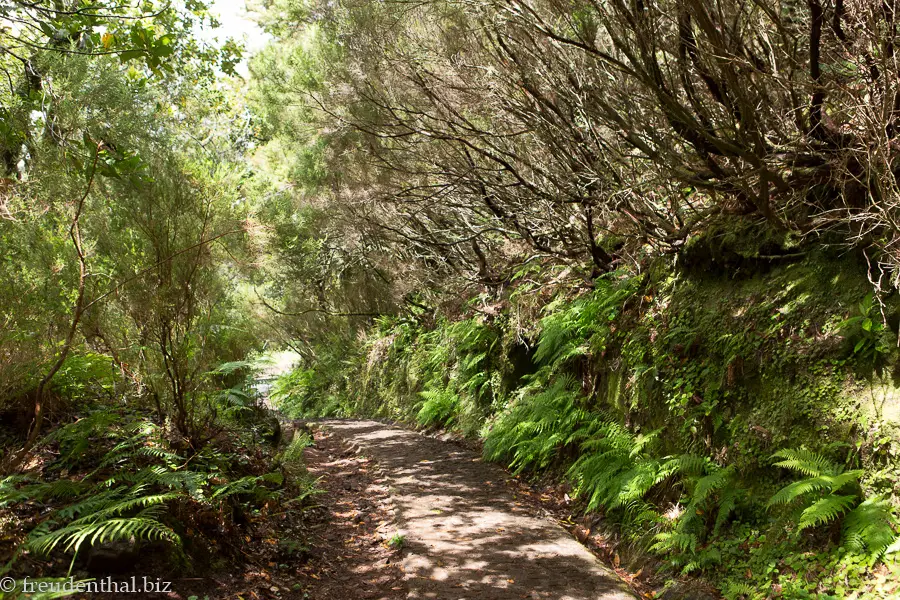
123,513
451,365
581,327
616,469
531,435
828,493
290,391
549,417
131,491
613,468
440,408
710,495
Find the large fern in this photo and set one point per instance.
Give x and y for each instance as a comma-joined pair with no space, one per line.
440,407
819,490
73,536
579,327
868,524
614,469
869,528
543,421
129,494
710,490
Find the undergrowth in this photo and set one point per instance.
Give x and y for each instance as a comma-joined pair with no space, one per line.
734,427
114,478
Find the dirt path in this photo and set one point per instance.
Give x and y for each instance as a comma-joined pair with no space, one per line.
349,557
465,536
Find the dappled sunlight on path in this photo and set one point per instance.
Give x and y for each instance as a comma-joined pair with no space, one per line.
466,538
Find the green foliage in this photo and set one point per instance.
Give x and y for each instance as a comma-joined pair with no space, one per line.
106,505
868,332
293,454
83,377
614,468
397,541
104,526
440,408
136,486
538,426
580,327
867,528
312,393
660,412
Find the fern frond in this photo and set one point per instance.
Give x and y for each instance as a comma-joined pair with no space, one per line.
643,440
144,428
127,505
61,489
893,547
742,591
691,464
727,504
669,541
637,482
838,482
825,510
806,462
832,483
160,453
796,489
440,407
868,528
709,484
72,537
90,504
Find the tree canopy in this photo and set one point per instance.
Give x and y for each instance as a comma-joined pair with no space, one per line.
647,247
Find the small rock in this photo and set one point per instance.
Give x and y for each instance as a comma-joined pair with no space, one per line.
113,557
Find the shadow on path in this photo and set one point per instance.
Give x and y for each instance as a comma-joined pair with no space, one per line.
465,536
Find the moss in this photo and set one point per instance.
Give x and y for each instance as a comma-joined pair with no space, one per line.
720,366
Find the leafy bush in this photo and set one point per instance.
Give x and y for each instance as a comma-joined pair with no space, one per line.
85,376
440,408
136,487
828,493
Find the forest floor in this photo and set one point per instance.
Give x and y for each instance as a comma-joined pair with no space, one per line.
351,558
400,514
419,517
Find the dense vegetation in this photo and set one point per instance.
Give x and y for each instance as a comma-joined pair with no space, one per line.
647,249
740,428
130,418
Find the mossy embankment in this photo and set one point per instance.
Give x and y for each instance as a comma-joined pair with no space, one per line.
663,397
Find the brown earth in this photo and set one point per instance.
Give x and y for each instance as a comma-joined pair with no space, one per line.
464,535
351,559
404,515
